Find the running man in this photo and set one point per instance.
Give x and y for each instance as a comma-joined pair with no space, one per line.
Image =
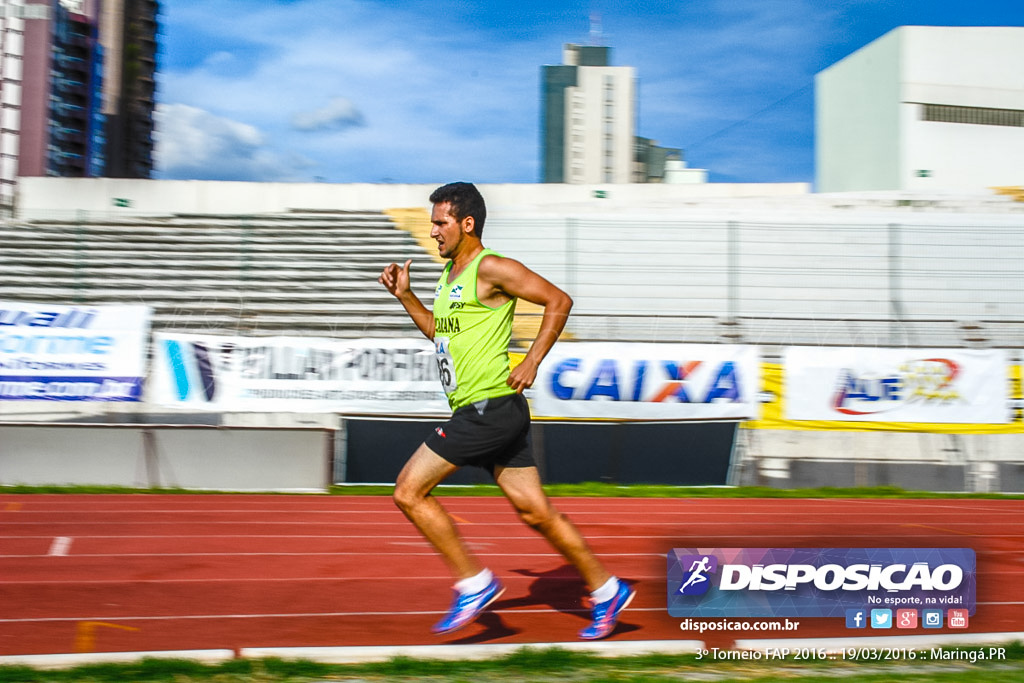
471,327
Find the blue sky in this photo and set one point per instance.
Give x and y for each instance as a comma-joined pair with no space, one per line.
421,91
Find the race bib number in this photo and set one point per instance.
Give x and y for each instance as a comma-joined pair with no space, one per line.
445,365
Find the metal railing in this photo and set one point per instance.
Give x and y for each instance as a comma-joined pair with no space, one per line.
843,279
942,283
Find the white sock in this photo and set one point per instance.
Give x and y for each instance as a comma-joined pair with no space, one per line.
475,584
607,591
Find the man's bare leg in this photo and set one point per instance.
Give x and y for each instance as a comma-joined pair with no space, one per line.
522,487
476,588
425,470
609,596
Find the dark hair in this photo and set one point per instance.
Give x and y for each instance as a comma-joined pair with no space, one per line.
465,200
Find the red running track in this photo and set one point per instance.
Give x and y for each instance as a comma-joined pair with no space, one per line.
132,573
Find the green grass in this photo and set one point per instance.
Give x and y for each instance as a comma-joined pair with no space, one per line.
590,489
543,665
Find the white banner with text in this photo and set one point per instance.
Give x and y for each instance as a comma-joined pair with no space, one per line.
72,353
296,374
896,385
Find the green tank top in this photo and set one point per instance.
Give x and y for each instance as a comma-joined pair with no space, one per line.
470,338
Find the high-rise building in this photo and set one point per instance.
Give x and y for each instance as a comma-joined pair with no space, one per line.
653,163
61,122
588,118
15,16
128,33
588,126
76,89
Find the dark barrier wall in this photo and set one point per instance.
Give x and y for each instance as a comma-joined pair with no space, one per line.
684,454
376,450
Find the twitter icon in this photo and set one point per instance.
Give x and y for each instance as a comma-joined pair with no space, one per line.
881,618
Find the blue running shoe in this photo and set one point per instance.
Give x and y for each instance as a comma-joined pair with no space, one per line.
606,614
466,608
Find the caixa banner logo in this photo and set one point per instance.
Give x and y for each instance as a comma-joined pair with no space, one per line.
648,381
816,582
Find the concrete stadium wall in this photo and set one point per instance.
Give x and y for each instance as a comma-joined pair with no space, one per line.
373,451
63,197
909,460
192,457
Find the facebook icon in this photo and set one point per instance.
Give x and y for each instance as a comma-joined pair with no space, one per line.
856,618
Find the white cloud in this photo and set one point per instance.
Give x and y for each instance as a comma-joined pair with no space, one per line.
338,114
192,143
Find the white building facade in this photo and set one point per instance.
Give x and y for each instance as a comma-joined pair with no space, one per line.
13,14
589,118
924,109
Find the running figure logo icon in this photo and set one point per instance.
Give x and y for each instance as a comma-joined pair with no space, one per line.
695,580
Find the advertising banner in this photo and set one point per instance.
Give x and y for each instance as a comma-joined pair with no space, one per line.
648,381
820,582
897,385
296,374
72,353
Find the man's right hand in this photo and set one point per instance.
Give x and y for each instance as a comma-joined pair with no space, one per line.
395,278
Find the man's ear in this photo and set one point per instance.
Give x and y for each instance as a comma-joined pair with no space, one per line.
469,225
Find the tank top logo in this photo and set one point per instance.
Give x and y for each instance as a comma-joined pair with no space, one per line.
446,325
456,293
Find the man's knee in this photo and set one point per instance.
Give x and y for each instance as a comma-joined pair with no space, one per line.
406,497
540,518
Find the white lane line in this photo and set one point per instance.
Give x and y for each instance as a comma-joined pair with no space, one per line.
302,615
633,576
182,517
668,541
892,526
287,579
60,546
356,553
306,615
395,540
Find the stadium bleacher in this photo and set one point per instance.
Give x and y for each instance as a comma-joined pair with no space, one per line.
292,274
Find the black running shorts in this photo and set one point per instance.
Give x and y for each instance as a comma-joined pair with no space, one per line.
487,433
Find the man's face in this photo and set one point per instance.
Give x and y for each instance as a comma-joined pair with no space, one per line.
447,230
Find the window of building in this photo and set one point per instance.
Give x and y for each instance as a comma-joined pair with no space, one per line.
984,116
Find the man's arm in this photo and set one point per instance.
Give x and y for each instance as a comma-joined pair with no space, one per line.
395,279
505,277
